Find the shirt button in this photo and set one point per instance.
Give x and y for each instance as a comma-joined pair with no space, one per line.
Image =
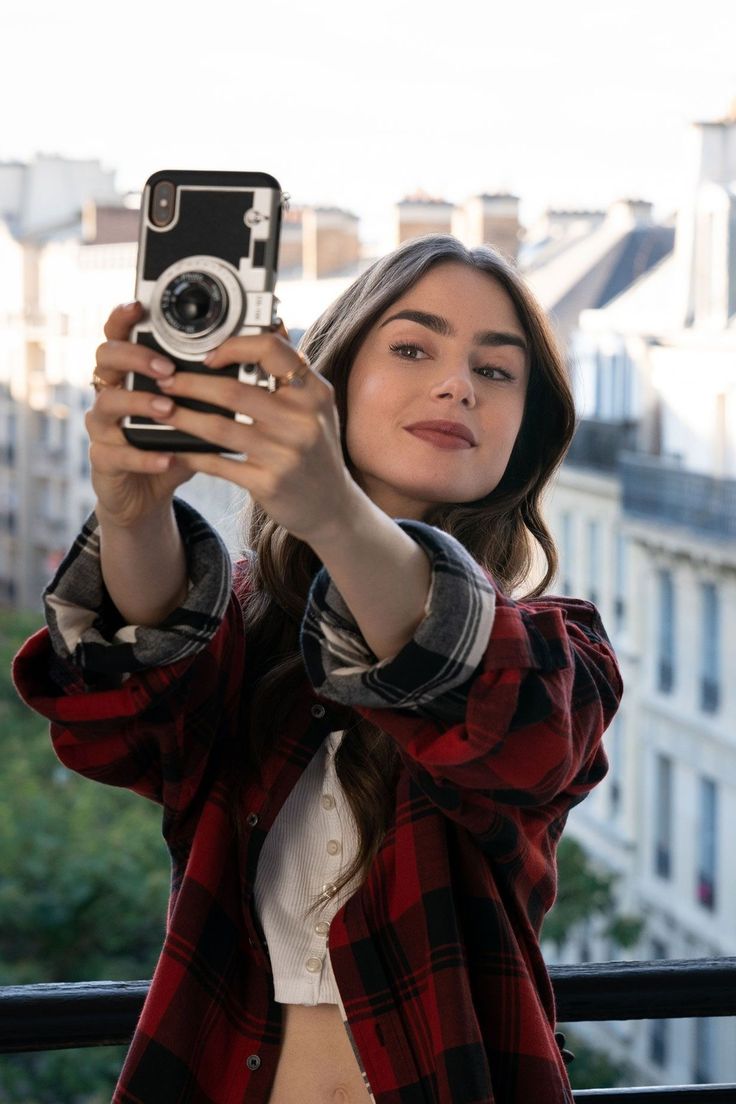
333,847
253,1062
314,965
328,801
322,927
318,711
329,889
252,819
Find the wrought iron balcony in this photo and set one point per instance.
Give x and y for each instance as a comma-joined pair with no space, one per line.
598,444
655,488
51,1017
658,489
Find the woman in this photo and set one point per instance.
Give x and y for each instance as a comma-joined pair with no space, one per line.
365,747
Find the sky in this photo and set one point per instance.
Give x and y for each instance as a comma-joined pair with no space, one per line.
573,104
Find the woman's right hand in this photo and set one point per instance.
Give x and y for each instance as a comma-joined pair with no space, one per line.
131,484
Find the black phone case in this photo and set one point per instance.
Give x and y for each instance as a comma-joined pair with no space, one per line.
231,221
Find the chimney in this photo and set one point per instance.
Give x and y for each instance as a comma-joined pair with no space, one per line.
630,212
330,241
493,220
420,214
705,237
291,240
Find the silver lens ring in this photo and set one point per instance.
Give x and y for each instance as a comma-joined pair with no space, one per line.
195,346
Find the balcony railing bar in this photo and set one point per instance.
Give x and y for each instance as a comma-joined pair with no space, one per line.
660,1094
97,1013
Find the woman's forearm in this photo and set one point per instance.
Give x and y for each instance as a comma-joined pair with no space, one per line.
381,573
144,567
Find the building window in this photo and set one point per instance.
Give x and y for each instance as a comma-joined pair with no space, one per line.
614,748
663,816
601,365
710,648
567,551
621,560
707,843
658,1040
704,1051
666,633
594,560
659,1030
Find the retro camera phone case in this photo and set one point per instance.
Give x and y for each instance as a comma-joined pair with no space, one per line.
207,260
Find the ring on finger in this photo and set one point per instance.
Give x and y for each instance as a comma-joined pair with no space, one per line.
296,377
98,383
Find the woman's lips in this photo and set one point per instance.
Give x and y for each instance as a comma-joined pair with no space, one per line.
441,440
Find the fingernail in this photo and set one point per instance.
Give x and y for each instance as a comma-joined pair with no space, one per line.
208,359
161,366
162,405
130,306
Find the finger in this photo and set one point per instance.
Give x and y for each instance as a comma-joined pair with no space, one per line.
242,398
275,354
242,472
121,321
103,419
111,459
116,358
230,435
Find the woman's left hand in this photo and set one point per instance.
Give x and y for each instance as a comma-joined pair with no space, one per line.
294,465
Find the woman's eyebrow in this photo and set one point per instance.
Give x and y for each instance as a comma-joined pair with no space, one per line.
441,326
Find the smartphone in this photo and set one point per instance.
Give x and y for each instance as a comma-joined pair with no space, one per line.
206,271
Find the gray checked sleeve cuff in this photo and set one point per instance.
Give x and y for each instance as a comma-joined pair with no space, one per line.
434,670
86,629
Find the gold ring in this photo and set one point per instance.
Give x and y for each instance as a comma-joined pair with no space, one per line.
296,376
98,383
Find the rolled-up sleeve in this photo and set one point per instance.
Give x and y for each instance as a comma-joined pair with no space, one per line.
432,672
90,638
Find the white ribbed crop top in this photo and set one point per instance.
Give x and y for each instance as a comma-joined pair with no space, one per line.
312,841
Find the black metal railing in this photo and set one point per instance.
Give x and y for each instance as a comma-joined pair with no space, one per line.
99,1013
660,490
597,444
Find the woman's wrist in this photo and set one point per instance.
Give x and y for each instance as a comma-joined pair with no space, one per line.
144,567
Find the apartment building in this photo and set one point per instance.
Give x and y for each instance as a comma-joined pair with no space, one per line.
644,511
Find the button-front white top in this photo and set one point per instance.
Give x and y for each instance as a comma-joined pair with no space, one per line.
312,841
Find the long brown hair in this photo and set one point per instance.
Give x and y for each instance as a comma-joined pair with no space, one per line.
498,530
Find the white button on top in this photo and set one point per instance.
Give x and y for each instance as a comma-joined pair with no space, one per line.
328,801
333,847
314,965
322,927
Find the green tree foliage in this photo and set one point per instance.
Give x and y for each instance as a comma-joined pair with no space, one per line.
594,1070
586,895
84,879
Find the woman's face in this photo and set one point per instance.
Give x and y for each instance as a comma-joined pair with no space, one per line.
475,374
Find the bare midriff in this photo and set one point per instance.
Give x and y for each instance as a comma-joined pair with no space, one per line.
317,1064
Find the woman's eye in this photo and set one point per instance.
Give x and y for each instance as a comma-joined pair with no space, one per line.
489,369
400,345
486,370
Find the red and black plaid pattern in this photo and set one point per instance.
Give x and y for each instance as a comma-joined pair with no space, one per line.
436,955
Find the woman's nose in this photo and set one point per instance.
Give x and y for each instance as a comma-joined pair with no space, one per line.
459,386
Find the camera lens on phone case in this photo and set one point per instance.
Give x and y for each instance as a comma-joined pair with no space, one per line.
162,203
194,303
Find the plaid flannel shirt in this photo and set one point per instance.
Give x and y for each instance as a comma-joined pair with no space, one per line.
497,708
